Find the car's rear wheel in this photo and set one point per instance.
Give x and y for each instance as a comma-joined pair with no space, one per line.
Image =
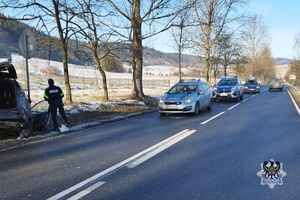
27,129
196,112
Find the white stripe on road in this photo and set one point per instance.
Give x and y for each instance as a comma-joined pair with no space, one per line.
149,154
233,106
86,191
212,118
134,160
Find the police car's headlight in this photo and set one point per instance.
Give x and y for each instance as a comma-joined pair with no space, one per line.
161,101
189,100
234,88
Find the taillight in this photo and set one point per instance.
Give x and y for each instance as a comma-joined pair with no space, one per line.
14,111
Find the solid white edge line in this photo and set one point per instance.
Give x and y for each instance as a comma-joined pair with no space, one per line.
159,149
221,113
114,167
295,104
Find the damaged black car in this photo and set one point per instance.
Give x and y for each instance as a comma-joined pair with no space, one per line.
15,110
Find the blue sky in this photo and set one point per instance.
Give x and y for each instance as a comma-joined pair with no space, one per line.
281,16
283,20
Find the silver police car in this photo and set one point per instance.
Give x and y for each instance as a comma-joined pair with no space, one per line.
187,96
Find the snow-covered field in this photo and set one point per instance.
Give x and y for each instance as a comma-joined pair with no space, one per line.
86,82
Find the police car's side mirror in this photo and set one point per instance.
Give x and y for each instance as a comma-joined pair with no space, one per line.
201,93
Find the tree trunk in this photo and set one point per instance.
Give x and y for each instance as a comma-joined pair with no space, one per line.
103,75
68,94
137,89
207,65
64,51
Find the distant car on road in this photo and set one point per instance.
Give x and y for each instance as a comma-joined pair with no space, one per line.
187,96
252,86
229,87
276,83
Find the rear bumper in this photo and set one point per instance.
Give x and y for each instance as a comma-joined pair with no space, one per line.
10,126
250,90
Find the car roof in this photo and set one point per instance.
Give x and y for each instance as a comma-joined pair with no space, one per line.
190,81
229,77
7,70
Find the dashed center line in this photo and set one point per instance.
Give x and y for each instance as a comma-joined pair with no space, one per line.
212,118
221,113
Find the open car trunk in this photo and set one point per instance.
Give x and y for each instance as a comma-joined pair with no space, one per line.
7,95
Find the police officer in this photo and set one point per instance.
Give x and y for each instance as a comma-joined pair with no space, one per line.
54,94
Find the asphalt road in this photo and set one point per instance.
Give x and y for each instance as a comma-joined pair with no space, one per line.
215,155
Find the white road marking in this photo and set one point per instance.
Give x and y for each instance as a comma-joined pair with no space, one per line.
165,144
221,113
134,160
234,106
86,191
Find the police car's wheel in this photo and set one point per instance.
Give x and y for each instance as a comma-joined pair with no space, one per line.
241,97
196,109
210,105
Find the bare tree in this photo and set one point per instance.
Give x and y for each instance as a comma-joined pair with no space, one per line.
264,65
213,17
178,32
228,51
254,39
53,16
297,45
91,24
295,70
141,20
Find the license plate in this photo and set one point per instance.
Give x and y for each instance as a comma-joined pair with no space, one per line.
223,94
172,107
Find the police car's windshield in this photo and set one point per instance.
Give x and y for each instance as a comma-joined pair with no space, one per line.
227,82
251,82
183,89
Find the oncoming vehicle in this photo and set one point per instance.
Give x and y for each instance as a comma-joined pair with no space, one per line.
15,110
229,87
187,96
276,83
252,86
